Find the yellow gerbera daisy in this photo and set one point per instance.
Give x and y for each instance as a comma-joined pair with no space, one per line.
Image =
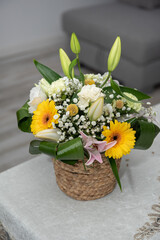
123,134
44,116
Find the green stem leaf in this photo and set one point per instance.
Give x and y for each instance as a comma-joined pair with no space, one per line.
117,89
46,72
71,66
115,171
139,95
79,68
106,80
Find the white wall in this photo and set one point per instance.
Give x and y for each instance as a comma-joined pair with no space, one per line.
26,24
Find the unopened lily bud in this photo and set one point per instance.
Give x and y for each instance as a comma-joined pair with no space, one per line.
114,55
74,44
65,62
96,109
51,134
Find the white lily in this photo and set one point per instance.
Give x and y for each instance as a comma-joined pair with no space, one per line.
96,109
50,134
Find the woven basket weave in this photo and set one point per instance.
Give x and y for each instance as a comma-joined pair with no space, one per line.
79,184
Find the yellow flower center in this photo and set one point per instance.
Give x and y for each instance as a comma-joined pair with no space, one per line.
89,81
116,136
46,118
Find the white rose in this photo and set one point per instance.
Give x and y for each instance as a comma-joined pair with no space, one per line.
88,94
36,96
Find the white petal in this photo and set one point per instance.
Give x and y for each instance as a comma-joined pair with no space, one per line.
51,134
96,109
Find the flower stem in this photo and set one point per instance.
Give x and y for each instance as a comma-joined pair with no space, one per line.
79,68
106,80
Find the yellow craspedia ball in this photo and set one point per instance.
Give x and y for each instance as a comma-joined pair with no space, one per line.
119,104
73,109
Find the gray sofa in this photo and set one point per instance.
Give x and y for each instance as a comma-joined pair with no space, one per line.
139,29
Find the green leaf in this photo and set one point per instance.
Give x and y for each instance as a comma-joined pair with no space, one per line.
46,72
138,94
117,89
108,91
81,77
157,130
24,118
68,152
145,133
71,66
120,91
49,148
131,120
72,150
115,171
70,162
34,147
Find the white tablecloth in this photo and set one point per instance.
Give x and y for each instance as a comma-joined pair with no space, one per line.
33,208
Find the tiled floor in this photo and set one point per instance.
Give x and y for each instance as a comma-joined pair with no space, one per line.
16,79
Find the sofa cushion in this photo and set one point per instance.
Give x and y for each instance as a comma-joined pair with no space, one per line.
139,29
148,4
142,76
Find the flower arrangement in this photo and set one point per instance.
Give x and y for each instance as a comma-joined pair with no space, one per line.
87,114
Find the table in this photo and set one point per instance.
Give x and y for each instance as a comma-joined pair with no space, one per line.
33,208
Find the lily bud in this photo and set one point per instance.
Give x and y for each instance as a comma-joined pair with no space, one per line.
74,44
65,62
96,109
50,134
114,55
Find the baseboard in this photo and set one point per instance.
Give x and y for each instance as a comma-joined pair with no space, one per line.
33,48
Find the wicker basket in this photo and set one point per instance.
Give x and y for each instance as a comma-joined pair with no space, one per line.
79,184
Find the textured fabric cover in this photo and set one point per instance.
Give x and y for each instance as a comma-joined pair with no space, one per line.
148,4
99,25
